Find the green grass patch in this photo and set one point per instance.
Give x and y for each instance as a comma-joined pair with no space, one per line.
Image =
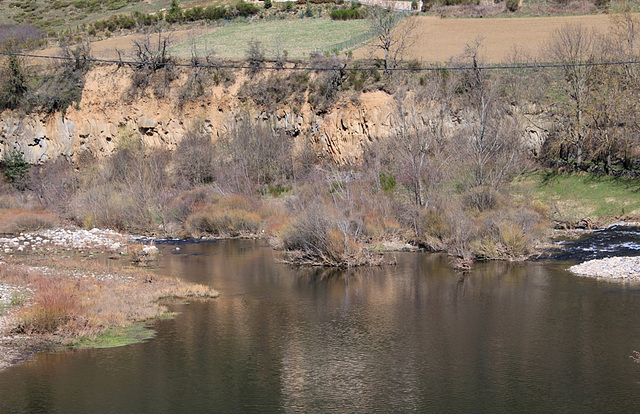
114,337
298,37
571,197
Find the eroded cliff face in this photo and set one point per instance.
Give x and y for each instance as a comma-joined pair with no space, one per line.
108,111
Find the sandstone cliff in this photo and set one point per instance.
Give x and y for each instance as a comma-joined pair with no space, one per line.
107,109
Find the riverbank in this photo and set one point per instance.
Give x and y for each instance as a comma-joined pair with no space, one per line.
57,290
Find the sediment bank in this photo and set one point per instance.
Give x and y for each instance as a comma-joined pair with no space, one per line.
54,291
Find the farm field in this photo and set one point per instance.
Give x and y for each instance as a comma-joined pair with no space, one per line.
298,38
439,40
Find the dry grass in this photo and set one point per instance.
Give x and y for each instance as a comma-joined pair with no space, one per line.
232,216
14,221
75,298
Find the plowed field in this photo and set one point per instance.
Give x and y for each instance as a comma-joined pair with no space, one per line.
439,40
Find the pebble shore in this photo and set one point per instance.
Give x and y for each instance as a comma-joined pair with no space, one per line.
65,239
614,268
16,348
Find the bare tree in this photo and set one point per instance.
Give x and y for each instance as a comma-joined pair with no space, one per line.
573,46
392,35
151,54
193,160
492,147
624,38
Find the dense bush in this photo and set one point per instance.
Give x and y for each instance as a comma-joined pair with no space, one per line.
246,9
512,5
346,14
16,170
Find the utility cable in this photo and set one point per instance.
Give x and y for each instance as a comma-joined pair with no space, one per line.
324,68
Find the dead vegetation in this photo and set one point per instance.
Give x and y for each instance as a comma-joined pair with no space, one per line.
438,176
71,298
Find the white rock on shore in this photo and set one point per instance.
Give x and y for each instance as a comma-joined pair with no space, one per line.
95,239
616,268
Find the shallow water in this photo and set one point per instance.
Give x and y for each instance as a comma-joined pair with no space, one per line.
609,242
525,337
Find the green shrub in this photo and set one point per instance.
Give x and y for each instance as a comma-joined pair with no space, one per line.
16,170
512,5
346,14
215,13
246,9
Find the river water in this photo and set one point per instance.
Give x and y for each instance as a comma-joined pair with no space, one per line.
507,337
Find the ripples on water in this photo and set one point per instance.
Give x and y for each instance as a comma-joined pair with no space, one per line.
610,242
416,337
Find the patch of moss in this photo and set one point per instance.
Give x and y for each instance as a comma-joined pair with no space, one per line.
120,336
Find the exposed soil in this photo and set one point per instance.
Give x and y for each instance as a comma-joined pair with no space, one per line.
106,48
439,40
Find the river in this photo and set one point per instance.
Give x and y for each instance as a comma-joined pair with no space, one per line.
507,337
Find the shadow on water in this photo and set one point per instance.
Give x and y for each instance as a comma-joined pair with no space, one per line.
613,241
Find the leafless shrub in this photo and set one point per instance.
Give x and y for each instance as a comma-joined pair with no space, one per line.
187,202
55,183
151,67
55,305
199,76
15,221
275,90
18,38
324,88
318,238
193,159
129,191
255,56
491,146
573,45
253,155
392,35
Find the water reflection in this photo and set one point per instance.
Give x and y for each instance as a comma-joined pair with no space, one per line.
507,337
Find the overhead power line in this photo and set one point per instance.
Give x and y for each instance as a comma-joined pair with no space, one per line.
325,68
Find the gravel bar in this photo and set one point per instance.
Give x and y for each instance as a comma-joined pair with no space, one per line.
615,268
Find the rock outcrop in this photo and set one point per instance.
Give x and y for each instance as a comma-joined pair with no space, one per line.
108,111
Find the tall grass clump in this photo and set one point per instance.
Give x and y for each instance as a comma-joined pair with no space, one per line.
15,221
232,217
55,304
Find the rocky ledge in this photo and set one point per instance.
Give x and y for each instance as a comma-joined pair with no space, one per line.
615,268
